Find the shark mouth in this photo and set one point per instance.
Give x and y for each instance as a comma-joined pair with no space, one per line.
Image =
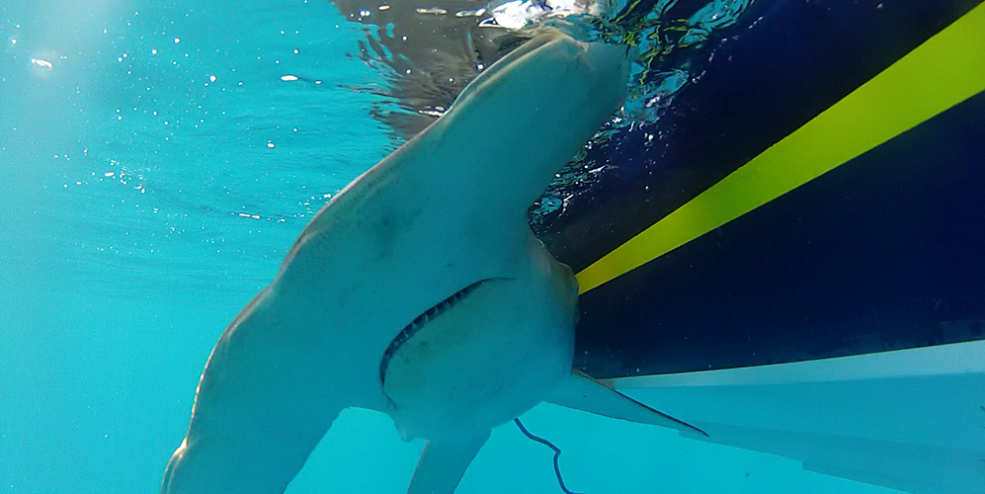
411,329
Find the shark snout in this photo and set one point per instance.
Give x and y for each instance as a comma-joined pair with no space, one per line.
609,59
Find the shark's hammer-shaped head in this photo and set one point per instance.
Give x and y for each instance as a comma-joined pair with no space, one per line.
553,71
491,349
419,291
516,125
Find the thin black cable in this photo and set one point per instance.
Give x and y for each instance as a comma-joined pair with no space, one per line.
557,454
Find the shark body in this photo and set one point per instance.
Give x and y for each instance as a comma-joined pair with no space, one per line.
419,291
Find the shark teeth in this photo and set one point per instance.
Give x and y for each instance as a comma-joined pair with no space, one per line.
420,321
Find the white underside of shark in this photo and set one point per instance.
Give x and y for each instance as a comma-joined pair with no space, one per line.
419,291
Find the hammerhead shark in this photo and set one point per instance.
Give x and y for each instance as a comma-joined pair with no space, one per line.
420,291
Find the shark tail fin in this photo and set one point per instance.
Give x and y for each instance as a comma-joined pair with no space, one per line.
581,392
443,464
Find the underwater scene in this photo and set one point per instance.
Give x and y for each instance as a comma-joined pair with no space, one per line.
462,246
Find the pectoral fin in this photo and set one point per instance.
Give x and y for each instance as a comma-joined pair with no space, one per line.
581,392
443,464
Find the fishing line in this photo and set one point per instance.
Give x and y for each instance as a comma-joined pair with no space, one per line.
557,454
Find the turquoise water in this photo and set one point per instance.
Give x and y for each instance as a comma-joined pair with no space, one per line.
154,169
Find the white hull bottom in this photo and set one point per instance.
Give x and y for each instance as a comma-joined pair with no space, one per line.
911,420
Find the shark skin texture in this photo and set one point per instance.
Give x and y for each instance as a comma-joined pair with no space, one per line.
419,291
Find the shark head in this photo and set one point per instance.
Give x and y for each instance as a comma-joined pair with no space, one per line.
535,108
591,74
419,291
